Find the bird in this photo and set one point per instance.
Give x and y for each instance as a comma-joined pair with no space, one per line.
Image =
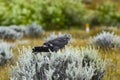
53,45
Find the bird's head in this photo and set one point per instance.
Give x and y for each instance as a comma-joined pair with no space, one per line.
68,37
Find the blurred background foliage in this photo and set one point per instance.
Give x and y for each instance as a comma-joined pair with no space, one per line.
59,14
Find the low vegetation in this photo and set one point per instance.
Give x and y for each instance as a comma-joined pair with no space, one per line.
14,32
91,55
70,63
106,40
6,54
23,55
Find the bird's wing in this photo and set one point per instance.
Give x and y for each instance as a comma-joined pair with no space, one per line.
58,42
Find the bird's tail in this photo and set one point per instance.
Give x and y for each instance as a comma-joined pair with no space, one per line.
40,49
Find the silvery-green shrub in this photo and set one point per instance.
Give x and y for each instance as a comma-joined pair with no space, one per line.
106,40
68,64
7,33
34,30
6,54
20,29
17,32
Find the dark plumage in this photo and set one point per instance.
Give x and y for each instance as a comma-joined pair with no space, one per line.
53,45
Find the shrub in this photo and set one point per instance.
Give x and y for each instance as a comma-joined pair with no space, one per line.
63,14
6,54
18,29
7,33
106,14
106,40
94,19
53,14
16,32
69,64
15,12
34,30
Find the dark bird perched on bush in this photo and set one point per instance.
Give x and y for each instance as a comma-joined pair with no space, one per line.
53,45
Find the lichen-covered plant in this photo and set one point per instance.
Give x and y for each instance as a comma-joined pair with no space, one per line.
6,54
106,40
34,30
68,64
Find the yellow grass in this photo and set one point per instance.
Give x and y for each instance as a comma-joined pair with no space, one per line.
81,39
